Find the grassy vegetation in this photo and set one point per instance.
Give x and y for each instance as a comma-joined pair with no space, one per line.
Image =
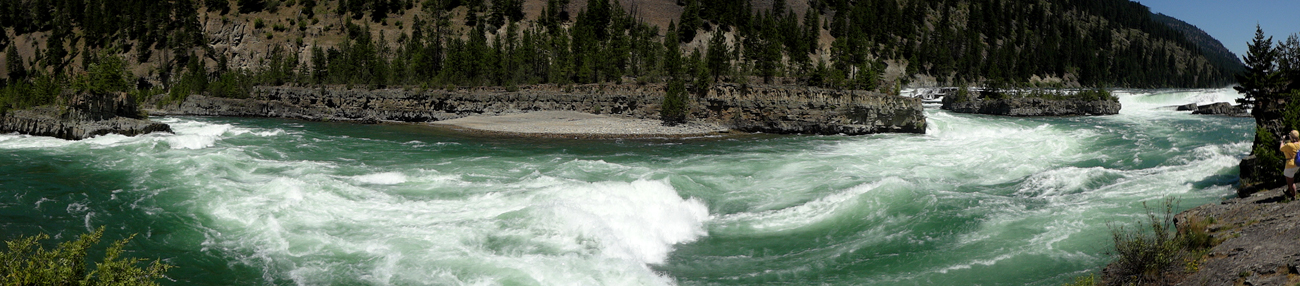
25,262
1147,252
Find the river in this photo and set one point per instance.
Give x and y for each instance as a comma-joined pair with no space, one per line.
977,200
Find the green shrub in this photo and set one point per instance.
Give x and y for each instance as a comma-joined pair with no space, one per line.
232,84
40,90
107,73
258,23
1145,253
1090,280
25,262
673,110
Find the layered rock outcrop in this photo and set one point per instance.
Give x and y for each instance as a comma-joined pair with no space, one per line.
771,109
1032,106
83,116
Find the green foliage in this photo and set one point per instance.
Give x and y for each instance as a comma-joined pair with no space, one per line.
221,6
251,6
106,73
717,56
14,64
40,90
193,81
1144,254
673,110
27,263
232,84
1089,280
1261,78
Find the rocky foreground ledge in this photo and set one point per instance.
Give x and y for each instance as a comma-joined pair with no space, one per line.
749,108
82,117
1258,242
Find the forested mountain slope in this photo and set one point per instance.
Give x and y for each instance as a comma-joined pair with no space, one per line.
1210,47
223,47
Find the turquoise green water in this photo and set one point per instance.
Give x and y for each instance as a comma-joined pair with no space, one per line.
978,200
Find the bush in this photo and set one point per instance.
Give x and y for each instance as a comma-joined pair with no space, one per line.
1144,254
232,84
673,110
106,73
27,263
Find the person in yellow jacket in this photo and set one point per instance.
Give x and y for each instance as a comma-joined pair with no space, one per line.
1289,148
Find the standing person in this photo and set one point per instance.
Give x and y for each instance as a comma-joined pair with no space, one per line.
1289,151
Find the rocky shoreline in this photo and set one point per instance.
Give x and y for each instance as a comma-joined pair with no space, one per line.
83,116
1256,242
748,108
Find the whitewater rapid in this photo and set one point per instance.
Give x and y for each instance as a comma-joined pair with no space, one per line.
287,202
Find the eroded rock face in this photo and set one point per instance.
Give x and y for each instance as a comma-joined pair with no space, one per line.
1033,107
771,109
55,122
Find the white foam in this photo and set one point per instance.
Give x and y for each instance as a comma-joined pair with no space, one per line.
386,178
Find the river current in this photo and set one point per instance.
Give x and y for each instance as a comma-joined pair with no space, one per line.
977,200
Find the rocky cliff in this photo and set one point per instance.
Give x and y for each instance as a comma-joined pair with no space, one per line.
1032,107
751,108
83,116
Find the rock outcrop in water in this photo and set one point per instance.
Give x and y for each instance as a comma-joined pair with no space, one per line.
1032,106
1222,108
83,116
751,108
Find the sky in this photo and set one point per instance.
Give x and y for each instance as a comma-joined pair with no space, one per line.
1233,21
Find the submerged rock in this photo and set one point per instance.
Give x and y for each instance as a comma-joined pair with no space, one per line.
84,116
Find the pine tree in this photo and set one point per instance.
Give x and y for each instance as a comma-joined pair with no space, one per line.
1260,81
717,56
14,64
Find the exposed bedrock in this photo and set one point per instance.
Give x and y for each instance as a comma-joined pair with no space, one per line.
83,116
751,108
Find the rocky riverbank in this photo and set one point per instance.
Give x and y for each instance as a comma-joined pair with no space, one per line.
83,116
1256,242
1033,107
749,108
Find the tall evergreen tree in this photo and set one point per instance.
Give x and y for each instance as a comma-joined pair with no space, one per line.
14,64
1260,81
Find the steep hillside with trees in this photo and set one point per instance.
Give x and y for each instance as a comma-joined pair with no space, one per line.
224,47
1210,47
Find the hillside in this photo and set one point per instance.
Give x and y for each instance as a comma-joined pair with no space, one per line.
224,47
1210,47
